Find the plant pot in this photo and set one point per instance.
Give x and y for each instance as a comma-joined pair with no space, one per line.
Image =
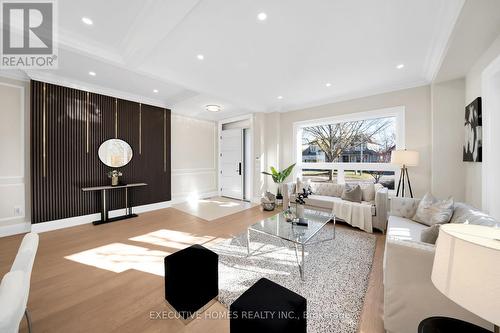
115,180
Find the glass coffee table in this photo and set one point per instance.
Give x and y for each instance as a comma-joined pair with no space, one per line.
301,236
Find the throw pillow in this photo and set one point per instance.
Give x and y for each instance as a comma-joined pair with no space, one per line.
430,234
431,211
353,194
368,192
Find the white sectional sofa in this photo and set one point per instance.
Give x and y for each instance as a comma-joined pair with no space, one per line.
327,197
409,295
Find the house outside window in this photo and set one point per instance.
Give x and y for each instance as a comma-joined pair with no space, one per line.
353,148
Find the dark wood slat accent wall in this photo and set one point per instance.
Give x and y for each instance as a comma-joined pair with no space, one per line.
67,128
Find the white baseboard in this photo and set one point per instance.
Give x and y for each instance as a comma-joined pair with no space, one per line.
66,223
84,219
79,220
256,200
14,229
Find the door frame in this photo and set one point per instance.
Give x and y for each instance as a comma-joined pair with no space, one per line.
248,117
490,103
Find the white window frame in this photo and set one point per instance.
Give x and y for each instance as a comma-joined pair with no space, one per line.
398,112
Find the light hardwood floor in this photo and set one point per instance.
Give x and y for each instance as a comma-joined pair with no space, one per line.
119,295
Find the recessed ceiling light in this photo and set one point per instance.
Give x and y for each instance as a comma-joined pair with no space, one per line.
87,21
328,84
280,97
92,73
400,66
200,56
155,91
213,108
262,16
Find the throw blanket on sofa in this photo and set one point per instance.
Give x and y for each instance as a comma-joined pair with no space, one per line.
356,214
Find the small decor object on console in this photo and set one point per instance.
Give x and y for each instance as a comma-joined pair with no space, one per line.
268,201
473,145
114,175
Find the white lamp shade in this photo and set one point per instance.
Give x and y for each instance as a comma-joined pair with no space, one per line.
467,268
405,157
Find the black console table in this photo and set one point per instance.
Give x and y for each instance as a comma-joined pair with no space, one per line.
104,201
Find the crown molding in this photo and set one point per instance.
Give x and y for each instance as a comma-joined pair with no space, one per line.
448,14
353,96
15,74
70,83
76,43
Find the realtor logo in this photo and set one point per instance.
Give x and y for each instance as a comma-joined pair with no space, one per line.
28,35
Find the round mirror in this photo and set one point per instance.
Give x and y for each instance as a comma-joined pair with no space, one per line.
115,153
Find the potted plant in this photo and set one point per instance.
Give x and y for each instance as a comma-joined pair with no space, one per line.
114,175
279,177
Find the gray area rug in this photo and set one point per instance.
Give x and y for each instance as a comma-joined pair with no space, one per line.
336,279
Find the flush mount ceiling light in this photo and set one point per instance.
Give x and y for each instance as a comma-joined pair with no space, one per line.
155,91
92,73
200,56
213,108
87,21
262,16
328,84
400,66
279,97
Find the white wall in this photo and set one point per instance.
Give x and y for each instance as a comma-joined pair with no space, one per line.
473,174
194,157
448,170
259,180
14,152
417,122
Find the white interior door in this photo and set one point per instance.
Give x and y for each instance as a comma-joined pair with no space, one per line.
232,163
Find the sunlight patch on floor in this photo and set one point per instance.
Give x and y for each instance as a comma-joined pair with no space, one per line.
212,208
171,238
119,257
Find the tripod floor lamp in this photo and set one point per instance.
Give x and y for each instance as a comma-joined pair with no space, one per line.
404,158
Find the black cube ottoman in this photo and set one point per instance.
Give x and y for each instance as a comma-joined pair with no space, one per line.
268,307
448,325
191,279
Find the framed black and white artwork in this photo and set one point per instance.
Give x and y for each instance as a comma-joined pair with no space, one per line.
473,126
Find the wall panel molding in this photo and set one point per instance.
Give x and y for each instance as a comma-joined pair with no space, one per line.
68,126
193,171
13,159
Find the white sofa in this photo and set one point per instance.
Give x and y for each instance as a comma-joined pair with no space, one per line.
326,196
409,295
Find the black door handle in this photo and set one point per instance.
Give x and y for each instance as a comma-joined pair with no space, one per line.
239,168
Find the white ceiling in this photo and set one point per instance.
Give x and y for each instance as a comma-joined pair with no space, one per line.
137,46
475,31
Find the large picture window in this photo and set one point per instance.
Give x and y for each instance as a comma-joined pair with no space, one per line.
350,149
361,141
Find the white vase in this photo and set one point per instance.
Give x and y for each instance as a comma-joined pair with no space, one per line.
300,211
